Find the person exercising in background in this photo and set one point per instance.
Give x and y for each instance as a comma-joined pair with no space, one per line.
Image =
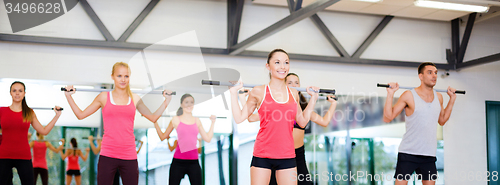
185,160
423,108
73,168
39,157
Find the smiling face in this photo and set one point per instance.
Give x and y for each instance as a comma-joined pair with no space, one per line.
121,76
292,81
187,104
17,92
278,65
429,76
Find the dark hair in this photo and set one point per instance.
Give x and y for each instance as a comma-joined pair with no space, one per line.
422,66
271,55
38,134
179,111
74,143
27,111
302,100
275,51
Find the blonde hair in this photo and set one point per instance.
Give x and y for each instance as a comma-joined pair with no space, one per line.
123,64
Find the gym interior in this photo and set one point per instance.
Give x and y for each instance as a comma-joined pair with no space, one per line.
346,45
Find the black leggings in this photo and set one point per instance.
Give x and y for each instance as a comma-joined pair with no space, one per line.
116,181
44,174
24,170
107,168
302,171
181,167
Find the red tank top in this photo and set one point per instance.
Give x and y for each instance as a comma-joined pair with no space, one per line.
275,139
15,143
73,162
39,151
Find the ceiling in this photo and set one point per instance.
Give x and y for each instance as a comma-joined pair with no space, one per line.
398,8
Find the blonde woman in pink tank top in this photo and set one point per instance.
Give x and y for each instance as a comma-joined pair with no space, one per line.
185,159
118,112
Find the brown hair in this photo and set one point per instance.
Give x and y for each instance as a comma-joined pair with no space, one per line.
179,111
123,64
272,53
422,66
27,111
75,145
302,100
275,51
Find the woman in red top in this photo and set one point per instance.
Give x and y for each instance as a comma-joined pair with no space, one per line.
278,108
292,80
39,158
73,168
15,149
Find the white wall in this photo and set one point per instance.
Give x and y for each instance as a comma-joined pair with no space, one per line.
484,39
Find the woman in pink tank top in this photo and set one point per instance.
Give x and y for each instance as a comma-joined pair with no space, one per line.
278,108
185,159
39,157
118,114
96,149
73,168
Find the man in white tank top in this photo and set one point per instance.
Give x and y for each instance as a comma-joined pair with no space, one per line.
423,108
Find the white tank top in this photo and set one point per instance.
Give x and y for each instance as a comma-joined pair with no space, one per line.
421,127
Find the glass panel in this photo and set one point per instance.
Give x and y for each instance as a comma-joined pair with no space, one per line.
386,155
155,158
53,159
212,159
360,161
140,135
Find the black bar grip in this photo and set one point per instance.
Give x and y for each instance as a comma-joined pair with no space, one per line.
173,93
328,91
383,85
59,109
64,89
210,82
459,92
335,98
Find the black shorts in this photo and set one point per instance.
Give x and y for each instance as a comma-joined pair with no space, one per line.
423,166
274,164
73,172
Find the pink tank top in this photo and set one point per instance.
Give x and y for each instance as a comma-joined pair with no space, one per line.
73,162
275,139
186,142
118,140
39,151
